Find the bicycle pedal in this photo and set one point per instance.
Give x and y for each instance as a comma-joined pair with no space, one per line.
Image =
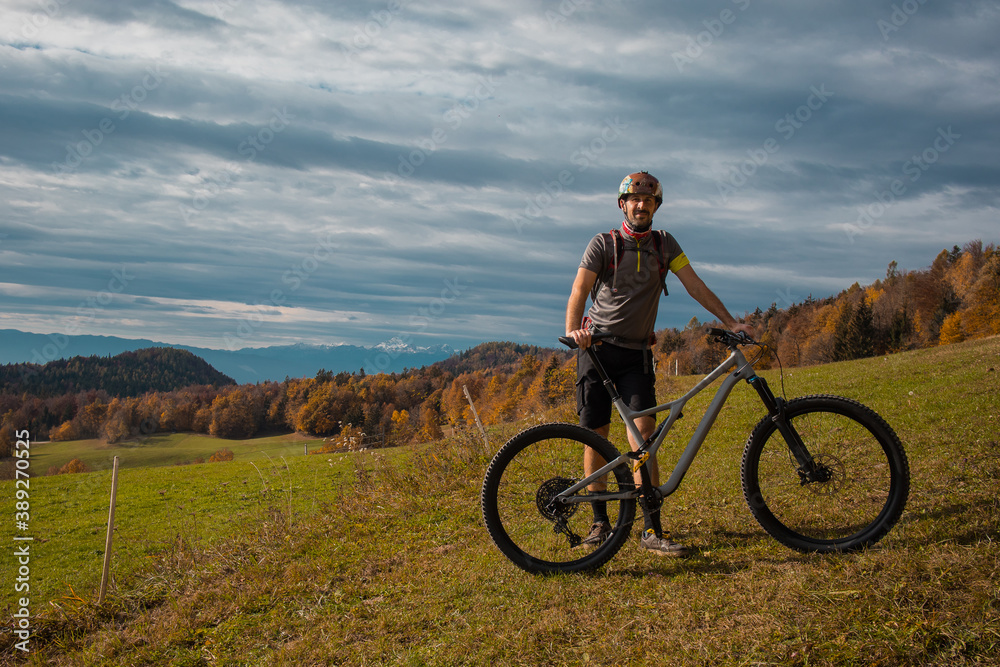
640,460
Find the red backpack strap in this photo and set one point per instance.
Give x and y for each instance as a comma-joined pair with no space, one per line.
661,253
615,241
617,248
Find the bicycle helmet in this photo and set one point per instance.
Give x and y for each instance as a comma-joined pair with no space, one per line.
640,183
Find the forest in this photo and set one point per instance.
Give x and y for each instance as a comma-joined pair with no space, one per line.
956,298
126,374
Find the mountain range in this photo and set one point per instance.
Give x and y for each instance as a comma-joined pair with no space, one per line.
246,365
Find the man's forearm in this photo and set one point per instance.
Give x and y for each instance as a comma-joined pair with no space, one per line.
574,312
714,305
697,288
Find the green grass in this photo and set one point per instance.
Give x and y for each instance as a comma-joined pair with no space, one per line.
163,449
194,506
381,558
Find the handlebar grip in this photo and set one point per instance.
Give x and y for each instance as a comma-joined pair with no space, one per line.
729,338
568,342
595,337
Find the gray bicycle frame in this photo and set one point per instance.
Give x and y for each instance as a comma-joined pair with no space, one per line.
744,371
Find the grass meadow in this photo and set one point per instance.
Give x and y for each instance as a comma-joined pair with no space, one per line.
381,558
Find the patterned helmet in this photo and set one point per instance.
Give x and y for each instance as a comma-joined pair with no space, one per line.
641,183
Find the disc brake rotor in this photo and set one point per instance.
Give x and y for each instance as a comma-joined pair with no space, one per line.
832,475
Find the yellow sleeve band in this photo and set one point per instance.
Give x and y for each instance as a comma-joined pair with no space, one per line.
679,262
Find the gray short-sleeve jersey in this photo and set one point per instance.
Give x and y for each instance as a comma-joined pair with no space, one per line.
625,302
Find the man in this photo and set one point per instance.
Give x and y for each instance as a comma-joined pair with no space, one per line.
622,272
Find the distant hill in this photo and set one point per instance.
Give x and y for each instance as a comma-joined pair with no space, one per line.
125,374
496,357
246,365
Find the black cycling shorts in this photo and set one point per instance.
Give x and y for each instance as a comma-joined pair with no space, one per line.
633,377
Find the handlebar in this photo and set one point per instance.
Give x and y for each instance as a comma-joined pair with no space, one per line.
728,338
595,336
731,338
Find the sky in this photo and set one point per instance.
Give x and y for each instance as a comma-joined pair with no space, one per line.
244,173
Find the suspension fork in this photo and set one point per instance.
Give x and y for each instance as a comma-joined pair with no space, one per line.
808,470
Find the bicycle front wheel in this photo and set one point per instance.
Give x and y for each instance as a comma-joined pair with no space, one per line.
528,524
859,487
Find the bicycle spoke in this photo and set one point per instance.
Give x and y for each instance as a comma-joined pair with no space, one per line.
521,507
852,494
518,500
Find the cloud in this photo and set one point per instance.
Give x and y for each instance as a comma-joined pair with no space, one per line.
330,172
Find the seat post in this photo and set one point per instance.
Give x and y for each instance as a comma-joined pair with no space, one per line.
608,384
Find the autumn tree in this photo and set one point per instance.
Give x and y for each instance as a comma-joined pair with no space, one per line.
296,395
962,273
176,413
982,314
118,421
951,330
493,398
429,429
402,428
322,413
224,454
64,432
74,466
90,419
233,415
146,413
818,346
552,385
202,420
515,389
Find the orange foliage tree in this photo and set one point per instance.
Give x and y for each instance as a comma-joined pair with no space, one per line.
224,454
63,432
233,415
74,466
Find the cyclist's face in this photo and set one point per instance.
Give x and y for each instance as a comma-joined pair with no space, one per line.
639,210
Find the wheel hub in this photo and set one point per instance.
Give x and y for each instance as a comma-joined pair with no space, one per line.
828,475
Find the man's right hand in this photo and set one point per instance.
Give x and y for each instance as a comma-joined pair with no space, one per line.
581,336
582,285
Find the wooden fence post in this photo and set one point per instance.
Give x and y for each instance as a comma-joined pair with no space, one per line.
111,532
475,414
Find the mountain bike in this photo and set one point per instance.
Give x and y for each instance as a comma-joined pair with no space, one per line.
820,473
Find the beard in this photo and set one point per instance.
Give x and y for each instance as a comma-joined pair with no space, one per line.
637,226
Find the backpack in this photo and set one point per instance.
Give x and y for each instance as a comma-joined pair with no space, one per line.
615,238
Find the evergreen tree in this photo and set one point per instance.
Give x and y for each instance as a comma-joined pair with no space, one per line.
900,330
861,335
855,335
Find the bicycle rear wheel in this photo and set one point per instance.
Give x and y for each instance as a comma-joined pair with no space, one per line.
858,492
535,533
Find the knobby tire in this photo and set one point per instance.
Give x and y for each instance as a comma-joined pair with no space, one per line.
866,476
522,479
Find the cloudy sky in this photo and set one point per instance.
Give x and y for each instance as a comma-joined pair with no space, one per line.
241,173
